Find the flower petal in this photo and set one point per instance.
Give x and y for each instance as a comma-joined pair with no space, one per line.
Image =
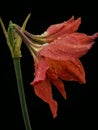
64,48
40,70
63,28
60,86
44,91
79,38
55,28
53,76
72,70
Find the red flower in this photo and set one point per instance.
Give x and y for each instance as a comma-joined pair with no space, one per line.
58,59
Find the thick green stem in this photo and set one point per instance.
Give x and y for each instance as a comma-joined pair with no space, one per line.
24,109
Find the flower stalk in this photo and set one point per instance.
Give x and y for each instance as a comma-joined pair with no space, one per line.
21,92
14,43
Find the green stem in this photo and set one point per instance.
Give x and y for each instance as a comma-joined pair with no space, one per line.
18,73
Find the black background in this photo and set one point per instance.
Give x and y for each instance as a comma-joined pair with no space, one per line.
80,108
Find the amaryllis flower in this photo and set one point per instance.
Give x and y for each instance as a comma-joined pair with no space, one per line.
56,56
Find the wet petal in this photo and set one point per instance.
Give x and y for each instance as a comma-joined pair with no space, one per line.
64,48
60,86
43,90
40,70
67,28
72,70
53,76
55,28
80,38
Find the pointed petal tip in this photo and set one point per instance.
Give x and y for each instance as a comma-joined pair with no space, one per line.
79,20
72,17
94,36
65,98
83,81
54,116
31,83
65,95
53,107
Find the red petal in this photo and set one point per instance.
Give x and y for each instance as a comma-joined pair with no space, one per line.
60,86
80,38
64,48
53,76
67,28
40,70
72,70
55,28
43,90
